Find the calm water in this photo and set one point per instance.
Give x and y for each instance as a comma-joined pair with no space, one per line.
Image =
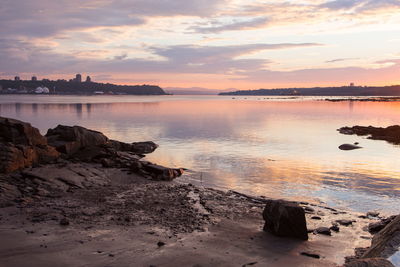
274,147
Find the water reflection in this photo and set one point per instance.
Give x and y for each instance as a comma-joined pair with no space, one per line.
274,148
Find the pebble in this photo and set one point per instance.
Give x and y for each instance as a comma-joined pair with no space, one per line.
323,231
373,213
334,228
344,222
64,222
312,255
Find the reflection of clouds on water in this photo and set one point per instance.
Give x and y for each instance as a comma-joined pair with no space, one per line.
204,128
377,185
231,142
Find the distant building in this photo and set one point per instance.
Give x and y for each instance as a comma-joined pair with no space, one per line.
17,78
34,78
88,79
351,84
78,78
42,90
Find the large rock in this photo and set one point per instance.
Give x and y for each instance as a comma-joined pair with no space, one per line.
386,242
22,145
286,219
71,139
21,133
136,147
372,262
91,144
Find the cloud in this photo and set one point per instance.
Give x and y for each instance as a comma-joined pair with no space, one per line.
49,17
360,5
26,57
327,76
253,23
341,4
121,57
341,59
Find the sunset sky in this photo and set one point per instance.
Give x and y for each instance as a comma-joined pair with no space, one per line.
216,44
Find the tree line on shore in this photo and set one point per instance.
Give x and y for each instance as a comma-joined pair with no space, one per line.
68,87
393,90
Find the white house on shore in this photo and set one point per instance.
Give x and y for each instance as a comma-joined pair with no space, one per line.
42,90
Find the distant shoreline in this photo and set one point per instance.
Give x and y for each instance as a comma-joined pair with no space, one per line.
362,91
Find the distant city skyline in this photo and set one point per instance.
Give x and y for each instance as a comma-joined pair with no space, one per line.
215,44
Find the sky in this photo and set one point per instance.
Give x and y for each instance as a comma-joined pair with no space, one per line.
215,44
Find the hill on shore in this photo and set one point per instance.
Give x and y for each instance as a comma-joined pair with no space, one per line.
393,90
84,88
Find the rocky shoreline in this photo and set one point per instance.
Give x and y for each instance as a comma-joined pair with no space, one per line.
369,99
75,197
390,134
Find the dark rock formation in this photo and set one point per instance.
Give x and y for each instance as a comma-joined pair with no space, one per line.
22,145
390,134
286,219
71,139
88,145
386,242
371,262
349,147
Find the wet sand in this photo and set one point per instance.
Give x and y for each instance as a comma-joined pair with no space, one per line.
133,221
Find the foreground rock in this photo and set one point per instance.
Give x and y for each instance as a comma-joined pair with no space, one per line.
372,262
286,219
386,242
391,134
22,145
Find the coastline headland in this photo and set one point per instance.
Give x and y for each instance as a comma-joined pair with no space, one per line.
352,90
75,197
64,87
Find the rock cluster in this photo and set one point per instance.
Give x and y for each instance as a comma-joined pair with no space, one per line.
22,145
384,244
390,134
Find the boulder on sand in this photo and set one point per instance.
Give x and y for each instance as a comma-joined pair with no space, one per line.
22,145
286,219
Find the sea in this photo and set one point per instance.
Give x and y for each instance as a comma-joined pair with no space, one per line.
279,147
